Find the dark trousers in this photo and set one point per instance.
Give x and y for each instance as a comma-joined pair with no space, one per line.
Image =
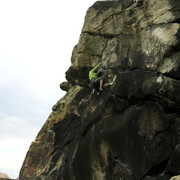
95,82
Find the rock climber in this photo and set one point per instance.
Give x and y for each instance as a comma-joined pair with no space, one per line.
96,82
138,3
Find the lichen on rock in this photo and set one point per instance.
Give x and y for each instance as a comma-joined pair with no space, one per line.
132,130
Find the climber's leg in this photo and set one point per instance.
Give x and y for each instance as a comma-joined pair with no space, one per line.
97,84
94,85
101,84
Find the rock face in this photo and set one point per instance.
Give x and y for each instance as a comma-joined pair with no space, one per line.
3,176
132,130
175,178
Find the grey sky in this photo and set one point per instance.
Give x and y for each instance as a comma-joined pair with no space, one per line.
36,41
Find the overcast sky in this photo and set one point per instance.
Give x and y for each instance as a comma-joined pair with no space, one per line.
36,42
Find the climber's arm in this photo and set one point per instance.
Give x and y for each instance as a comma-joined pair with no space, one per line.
99,71
94,69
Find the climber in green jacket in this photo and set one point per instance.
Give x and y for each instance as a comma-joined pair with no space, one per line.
95,80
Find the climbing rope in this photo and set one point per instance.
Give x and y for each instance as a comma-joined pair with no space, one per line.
78,83
112,45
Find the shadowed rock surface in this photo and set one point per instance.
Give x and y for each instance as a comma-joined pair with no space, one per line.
132,130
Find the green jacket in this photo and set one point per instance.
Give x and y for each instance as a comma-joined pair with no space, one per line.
92,73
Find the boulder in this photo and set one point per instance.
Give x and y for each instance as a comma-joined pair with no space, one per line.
132,130
65,86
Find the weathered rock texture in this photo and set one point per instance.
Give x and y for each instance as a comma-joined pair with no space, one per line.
4,177
175,178
132,130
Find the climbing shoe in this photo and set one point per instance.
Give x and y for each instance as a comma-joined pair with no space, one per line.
101,89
